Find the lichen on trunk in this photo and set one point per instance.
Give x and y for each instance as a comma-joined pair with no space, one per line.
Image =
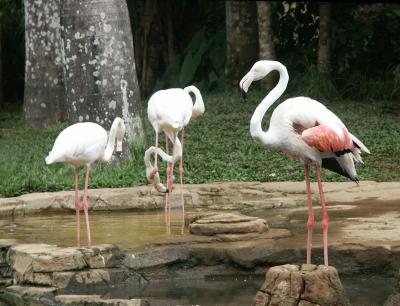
99,66
44,99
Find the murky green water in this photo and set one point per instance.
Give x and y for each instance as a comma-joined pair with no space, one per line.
133,230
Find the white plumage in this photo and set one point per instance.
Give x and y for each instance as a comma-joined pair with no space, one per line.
84,143
170,111
305,130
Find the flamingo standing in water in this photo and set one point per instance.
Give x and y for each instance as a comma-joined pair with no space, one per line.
305,130
170,111
84,143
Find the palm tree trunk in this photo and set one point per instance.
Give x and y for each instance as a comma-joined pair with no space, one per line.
324,38
241,39
100,74
44,97
265,37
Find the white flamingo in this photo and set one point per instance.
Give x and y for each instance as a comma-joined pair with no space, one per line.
305,130
170,111
84,143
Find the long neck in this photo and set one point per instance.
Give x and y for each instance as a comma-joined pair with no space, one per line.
110,143
167,158
256,120
198,107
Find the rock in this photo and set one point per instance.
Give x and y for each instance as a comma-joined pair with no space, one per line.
30,258
102,256
96,300
393,300
306,285
227,223
156,257
27,295
92,279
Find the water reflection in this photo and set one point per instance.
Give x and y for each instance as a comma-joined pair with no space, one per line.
128,230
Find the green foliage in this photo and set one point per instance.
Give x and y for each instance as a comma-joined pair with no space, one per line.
314,84
203,63
218,147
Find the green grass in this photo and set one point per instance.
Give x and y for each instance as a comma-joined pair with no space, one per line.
218,147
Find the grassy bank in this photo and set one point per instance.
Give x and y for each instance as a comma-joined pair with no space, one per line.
218,147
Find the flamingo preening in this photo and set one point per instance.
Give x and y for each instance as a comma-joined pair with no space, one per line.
306,130
169,111
84,143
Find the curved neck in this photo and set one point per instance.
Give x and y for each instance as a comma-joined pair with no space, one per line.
110,143
198,107
167,158
256,120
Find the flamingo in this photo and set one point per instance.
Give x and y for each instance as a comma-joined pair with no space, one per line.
170,111
307,131
84,143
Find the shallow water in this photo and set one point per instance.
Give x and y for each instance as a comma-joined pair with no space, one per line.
129,230
371,290
133,230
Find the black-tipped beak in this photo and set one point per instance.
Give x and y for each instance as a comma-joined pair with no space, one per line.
166,190
243,94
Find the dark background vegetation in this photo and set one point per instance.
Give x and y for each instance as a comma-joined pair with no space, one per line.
186,44
365,48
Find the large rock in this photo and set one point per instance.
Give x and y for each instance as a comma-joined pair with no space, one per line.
96,300
27,295
306,285
31,258
227,223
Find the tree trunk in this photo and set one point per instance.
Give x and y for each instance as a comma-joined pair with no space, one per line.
324,38
44,98
241,39
100,72
265,39
1,61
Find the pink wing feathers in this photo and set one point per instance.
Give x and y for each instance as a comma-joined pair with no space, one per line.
325,139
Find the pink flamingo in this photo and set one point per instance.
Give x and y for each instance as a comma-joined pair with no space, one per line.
170,111
306,130
84,143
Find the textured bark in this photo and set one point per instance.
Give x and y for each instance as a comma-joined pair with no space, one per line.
44,99
156,45
1,60
265,39
100,72
324,38
241,39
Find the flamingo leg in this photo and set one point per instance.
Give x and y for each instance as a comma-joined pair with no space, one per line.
155,169
167,224
77,207
86,205
171,181
181,178
311,221
325,222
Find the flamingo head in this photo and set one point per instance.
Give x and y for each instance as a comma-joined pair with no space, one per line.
120,133
259,70
154,178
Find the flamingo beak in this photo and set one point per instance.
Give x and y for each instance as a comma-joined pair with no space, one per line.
243,94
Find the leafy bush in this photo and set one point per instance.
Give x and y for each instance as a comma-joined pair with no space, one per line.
203,63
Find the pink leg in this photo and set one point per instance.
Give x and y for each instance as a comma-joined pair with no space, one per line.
325,223
171,181
86,205
167,224
310,222
77,207
155,169
181,177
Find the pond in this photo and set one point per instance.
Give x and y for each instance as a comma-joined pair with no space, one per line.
134,230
